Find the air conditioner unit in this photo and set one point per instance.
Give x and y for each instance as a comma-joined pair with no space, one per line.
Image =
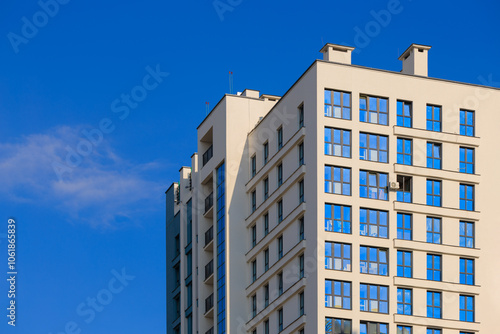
394,186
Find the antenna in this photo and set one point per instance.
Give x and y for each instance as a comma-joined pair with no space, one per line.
207,107
230,82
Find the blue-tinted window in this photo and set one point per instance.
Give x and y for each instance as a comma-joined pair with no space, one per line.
434,267
373,260
337,256
373,147
404,297
338,218
434,155
373,185
404,330
338,180
434,308
374,298
338,294
337,104
434,192
404,227
404,114
373,328
467,123
336,326
404,266
467,271
373,109
467,234
404,193
433,331
466,197
404,147
338,142
434,230
433,118
467,160
374,223
466,308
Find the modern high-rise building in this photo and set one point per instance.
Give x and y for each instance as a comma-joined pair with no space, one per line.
362,201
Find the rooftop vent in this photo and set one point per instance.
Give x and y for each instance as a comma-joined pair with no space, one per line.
415,60
337,53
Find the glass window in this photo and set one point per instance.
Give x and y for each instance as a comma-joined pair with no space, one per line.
301,116
434,155
405,226
404,264
373,185
189,264
338,218
404,301
404,193
254,235
373,260
434,308
433,331
266,295
338,326
433,118
373,147
301,154
254,166
434,192
374,223
280,211
338,180
254,201
266,224
466,308
254,270
301,266
254,306
301,228
374,298
280,283
266,152
467,160
434,230
301,191
280,247
373,109
467,234
405,151
337,104
466,271
266,327
301,303
467,123
337,256
466,197
404,330
280,174
280,319
280,138
404,114
338,142
338,294
434,268
266,259
373,328
266,188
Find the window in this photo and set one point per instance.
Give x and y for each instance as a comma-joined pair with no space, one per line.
373,147
189,295
189,264
434,308
280,283
404,301
301,303
280,247
301,266
280,320
280,138
177,302
266,224
467,234
301,228
254,305
373,185
373,260
177,270
404,264
405,189
280,174
337,256
434,269
466,271
338,180
254,331
338,142
373,223
434,155
337,104
405,226
467,160
373,328
266,152
404,114
189,324
373,109
266,259
404,330
266,188
338,294
434,230
301,116
433,331
338,326
254,201
434,192
254,235
301,154
405,151
177,245
374,298
280,211
189,225
466,308
266,327
253,165
266,295
467,123
433,118
254,270
301,191
338,218
466,197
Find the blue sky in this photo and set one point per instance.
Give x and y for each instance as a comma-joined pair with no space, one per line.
100,212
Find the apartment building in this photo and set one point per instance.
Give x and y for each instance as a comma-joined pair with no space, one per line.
362,201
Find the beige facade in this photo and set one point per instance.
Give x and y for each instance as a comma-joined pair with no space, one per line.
269,251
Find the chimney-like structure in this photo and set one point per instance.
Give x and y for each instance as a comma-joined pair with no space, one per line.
337,53
415,60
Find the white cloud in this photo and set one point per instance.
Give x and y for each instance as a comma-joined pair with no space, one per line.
103,189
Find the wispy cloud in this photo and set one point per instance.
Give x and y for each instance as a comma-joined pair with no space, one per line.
103,190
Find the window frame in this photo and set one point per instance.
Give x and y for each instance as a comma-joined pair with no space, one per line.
433,196
402,228
333,258
333,105
432,306
402,302
432,233
464,162
344,296
464,272
467,306
370,263
402,154
368,149
279,135
365,114
466,237
433,161
465,116
368,188
332,219
343,184
434,267
366,224
402,266
466,200
430,124
331,145
401,118
369,300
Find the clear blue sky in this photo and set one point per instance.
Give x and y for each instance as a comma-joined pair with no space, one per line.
106,211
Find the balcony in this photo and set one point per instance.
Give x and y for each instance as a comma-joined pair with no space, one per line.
209,306
209,272
209,205
209,153
209,239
